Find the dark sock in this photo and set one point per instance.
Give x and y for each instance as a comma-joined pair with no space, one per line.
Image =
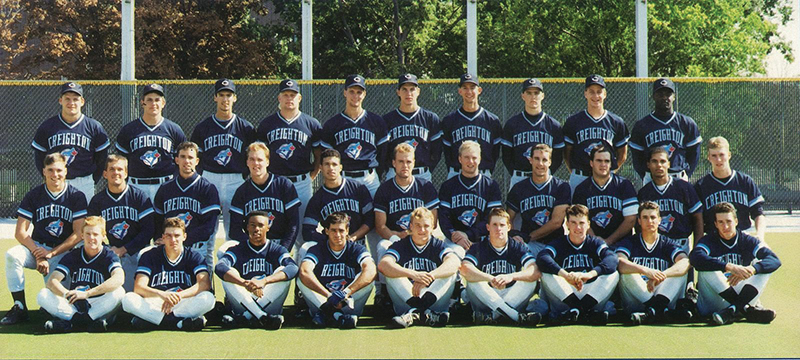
730,296
572,301
427,300
748,293
588,302
81,319
19,296
170,321
415,302
82,306
658,302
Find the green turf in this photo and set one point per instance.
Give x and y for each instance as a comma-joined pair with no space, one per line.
779,339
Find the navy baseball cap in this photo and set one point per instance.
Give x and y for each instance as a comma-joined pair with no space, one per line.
224,84
355,80
72,87
595,80
407,79
468,78
532,83
288,85
663,83
153,88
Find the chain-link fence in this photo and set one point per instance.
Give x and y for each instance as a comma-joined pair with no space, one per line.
760,118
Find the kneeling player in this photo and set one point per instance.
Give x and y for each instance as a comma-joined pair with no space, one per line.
579,272
653,269
733,268
420,274
172,284
501,275
95,284
336,276
256,276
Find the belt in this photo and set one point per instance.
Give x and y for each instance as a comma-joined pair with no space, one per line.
296,178
419,170
522,173
359,173
149,181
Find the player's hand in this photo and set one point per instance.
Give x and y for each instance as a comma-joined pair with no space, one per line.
42,266
416,289
39,252
518,238
461,239
422,278
120,251
656,275
351,238
501,281
75,295
158,242
574,280
336,298
171,299
651,285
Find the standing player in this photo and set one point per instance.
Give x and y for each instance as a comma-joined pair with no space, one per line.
420,274
527,129
56,210
471,122
413,125
541,201
676,133
501,275
192,199
81,139
149,143
724,184
579,272
222,139
732,271
172,284
594,126
358,134
128,215
336,275
610,198
95,284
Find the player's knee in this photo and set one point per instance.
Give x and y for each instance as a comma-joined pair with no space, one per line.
15,256
41,298
130,301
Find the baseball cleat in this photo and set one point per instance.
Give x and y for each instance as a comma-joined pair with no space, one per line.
598,318
57,326
15,315
437,319
271,322
480,318
100,325
530,319
319,320
347,321
758,314
569,317
193,324
405,320
724,317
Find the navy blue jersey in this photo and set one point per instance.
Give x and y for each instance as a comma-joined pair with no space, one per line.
465,204
223,144
739,190
151,151
337,271
253,262
361,141
84,143
483,127
194,200
166,275
522,132
535,204
52,214
712,253
679,135
290,142
129,217
425,259
422,130
583,133
592,254
85,273
398,203
608,205
351,198
661,256
278,198
677,202
513,257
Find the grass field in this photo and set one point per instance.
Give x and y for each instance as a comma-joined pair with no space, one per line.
371,340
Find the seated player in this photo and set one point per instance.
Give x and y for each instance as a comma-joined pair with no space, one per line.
732,271
420,273
579,272
501,275
95,284
336,276
653,271
172,286
256,276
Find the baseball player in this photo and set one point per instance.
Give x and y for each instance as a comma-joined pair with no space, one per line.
256,275
724,184
81,139
128,215
527,129
611,198
471,122
732,271
336,275
191,198
592,127
222,139
466,199
420,273
173,285
541,202
666,128
54,209
150,143
95,289
361,136
413,125
501,275
653,271
579,272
